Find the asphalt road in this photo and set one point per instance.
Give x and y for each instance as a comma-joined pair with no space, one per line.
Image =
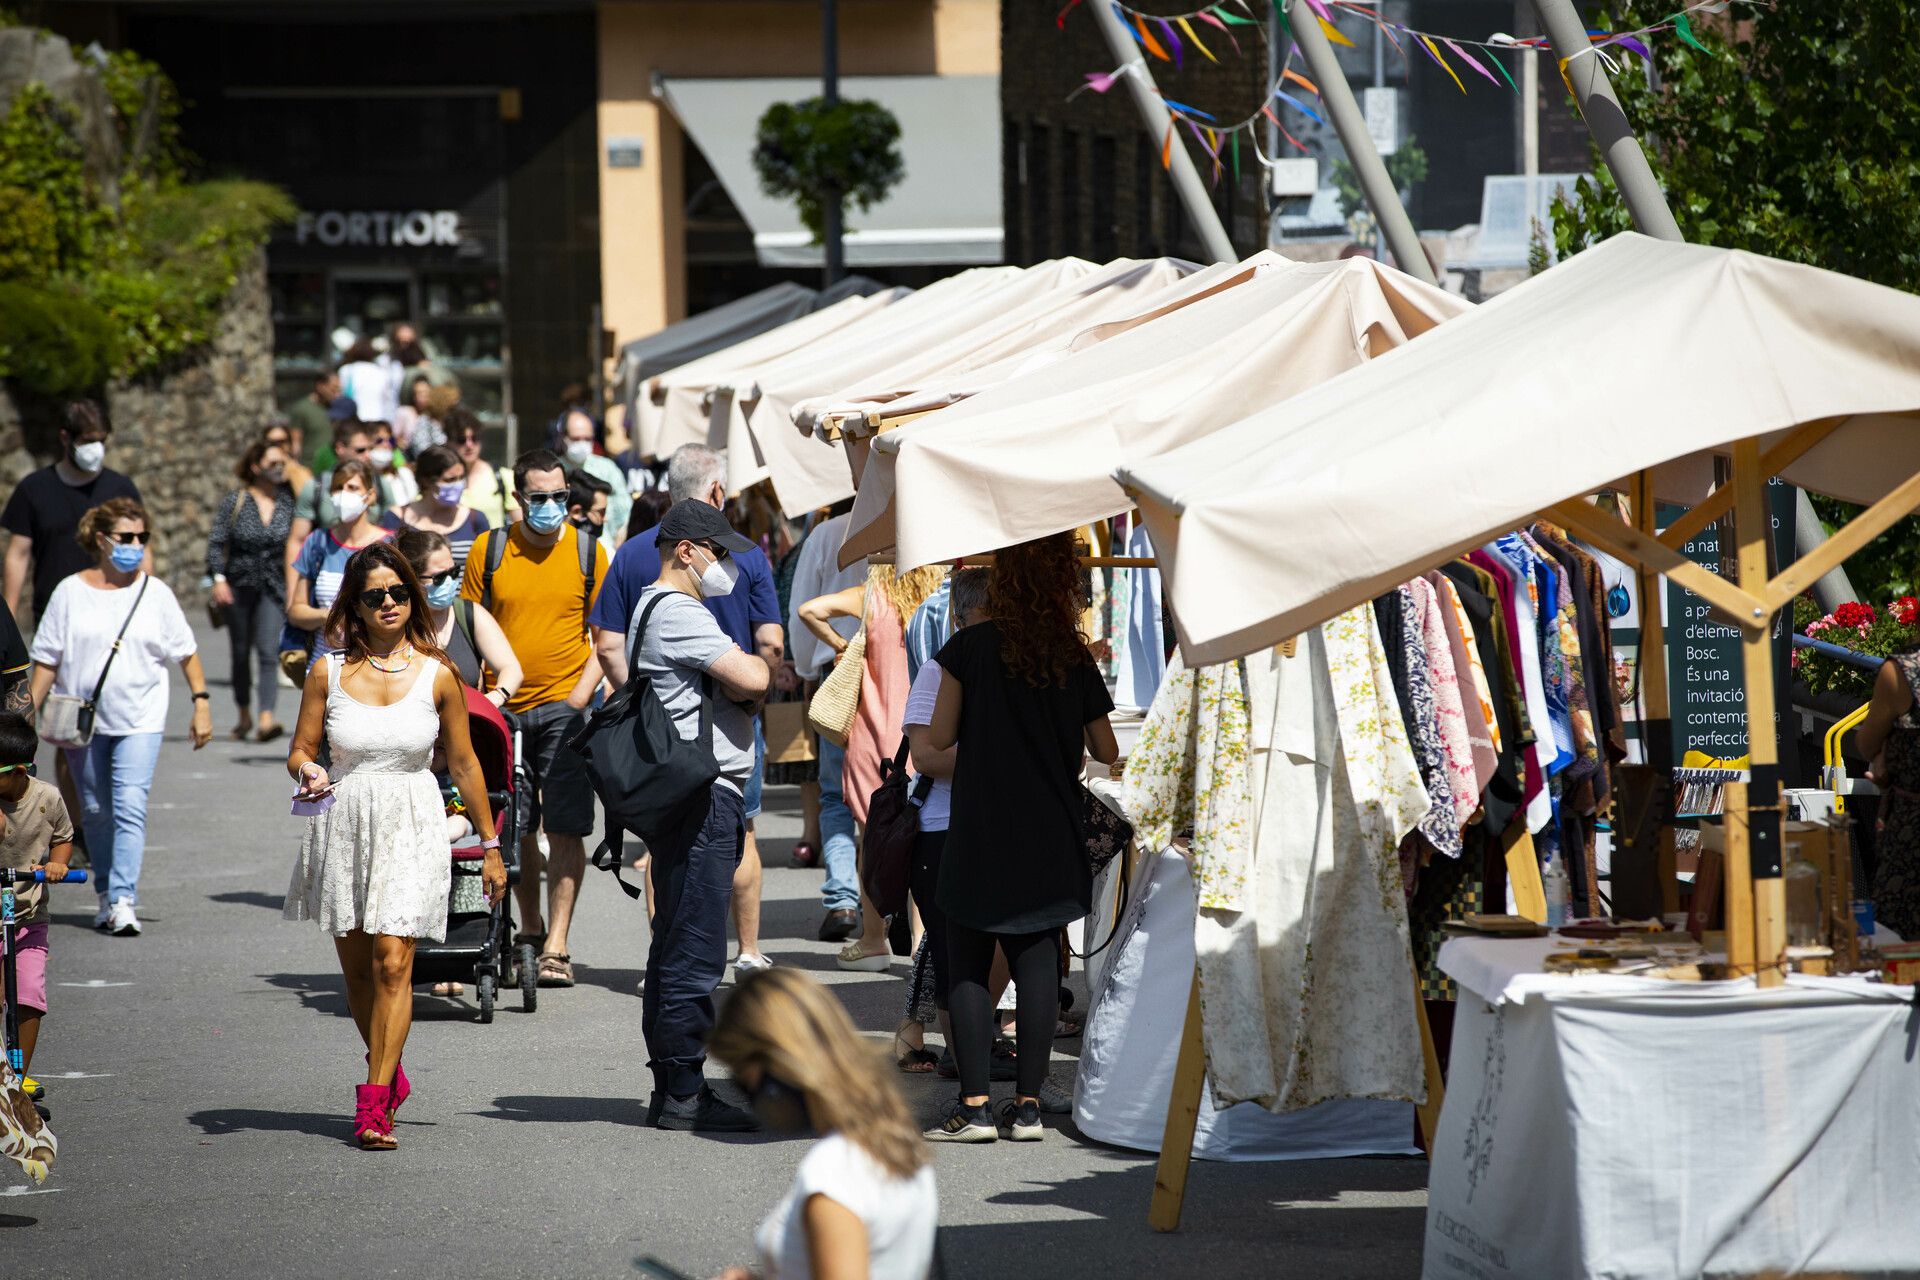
201,1082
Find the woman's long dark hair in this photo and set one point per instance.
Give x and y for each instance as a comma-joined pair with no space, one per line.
344,623
1034,595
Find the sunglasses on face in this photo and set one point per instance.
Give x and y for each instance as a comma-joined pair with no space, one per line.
128,539
377,597
463,441
551,495
440,578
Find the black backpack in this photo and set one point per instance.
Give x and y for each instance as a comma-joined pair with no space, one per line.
650,780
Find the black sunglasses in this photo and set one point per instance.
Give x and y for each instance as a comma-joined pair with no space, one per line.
547,495
128,539
718,553
374,597
439,578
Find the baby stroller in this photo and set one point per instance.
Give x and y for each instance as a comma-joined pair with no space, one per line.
479,946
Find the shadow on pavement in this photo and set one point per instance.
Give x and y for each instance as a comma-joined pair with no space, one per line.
226,1120
543,1109
250,898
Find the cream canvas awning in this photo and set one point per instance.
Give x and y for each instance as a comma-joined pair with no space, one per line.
945,210
671,406
1035,455
1637,354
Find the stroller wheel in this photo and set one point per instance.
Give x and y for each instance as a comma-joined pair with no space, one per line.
529,967
487,992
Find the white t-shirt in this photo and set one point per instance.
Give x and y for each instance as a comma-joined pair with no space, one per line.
76,635
937,809
900,1214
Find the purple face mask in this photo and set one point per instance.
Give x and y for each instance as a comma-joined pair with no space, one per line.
451,492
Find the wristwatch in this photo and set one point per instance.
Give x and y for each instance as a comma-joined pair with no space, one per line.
202,694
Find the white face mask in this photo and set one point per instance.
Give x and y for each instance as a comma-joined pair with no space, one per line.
380,456
90,456
578,451
718,578
349,505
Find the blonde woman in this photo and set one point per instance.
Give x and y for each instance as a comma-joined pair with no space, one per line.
863,1203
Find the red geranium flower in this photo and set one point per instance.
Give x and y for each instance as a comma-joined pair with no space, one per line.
1853,614
1905,610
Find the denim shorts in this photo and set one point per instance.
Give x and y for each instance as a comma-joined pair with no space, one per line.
756,780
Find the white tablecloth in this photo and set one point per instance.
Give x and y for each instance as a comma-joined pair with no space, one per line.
1132,1042
1620,1127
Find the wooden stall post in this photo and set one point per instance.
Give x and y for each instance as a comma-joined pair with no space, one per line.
1656,724
1753,843
1183,1113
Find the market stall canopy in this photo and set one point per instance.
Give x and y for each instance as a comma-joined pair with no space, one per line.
1121,288
945,210
1035,455
724,326
673,410
753,415
1637,354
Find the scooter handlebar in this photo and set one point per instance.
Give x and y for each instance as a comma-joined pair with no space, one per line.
72,877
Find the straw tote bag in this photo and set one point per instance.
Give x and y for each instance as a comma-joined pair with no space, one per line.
833,707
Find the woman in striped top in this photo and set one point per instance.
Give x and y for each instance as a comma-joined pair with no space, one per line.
438,509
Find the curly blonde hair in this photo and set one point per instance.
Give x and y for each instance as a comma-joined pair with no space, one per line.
906,592
785,1023
1034,596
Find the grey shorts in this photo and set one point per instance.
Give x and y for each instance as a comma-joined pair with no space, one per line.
556,792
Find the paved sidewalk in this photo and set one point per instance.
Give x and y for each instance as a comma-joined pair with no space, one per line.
201,1080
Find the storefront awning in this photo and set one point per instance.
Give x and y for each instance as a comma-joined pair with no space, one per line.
946,210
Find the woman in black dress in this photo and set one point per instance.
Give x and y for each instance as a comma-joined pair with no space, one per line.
1023,701
1890,738
246,558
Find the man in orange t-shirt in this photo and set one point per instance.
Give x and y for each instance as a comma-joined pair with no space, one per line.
541,591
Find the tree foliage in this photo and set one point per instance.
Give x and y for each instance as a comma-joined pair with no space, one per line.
1795,133
1406,166
808,151
113,263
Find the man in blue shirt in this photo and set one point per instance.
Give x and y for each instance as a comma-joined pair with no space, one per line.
751,619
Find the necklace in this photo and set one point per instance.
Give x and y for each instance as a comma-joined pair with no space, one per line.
374,659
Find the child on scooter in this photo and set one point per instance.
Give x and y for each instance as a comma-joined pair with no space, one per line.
34,830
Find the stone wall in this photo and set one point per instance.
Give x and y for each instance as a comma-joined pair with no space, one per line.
177,434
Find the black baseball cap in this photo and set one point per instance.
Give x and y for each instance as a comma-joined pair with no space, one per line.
694,521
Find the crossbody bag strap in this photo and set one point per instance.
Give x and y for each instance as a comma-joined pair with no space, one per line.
496,556
93,699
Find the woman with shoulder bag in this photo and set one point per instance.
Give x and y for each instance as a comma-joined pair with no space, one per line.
1023,700
244,559
100,692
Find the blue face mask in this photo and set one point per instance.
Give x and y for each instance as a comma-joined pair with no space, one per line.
441,595
545,517
126,556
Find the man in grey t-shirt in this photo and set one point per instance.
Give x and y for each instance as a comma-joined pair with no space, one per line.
682,650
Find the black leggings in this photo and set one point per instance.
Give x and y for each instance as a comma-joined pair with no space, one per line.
1034,961
927,848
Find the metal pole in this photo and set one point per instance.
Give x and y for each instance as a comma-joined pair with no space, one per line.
1608,124
1337,95
834,244
1154,115
1271,128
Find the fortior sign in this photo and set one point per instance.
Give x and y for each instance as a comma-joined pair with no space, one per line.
414,228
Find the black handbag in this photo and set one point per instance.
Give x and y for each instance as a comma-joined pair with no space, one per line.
1107,833
893,825
649,779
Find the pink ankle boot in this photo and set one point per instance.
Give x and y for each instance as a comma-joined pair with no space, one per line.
371,1123
401,1090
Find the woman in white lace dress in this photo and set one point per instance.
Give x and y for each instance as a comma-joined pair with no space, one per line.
375,866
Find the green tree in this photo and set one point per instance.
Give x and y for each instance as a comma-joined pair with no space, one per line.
807,150
1793,130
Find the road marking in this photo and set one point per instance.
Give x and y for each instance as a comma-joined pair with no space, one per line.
77,1075
24,1190
96,982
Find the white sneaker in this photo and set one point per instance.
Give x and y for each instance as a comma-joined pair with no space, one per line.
750,962
121,921
101,916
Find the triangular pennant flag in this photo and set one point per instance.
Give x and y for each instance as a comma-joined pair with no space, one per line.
1060,20
1166,148
1684,29
1443,62
1236,157
1188,28
1334,33
1224,18
1268,113
1208,17
1501,67
1320,10
1470,61
1179,59
1183,109
1147,41
1297,105
1290,74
